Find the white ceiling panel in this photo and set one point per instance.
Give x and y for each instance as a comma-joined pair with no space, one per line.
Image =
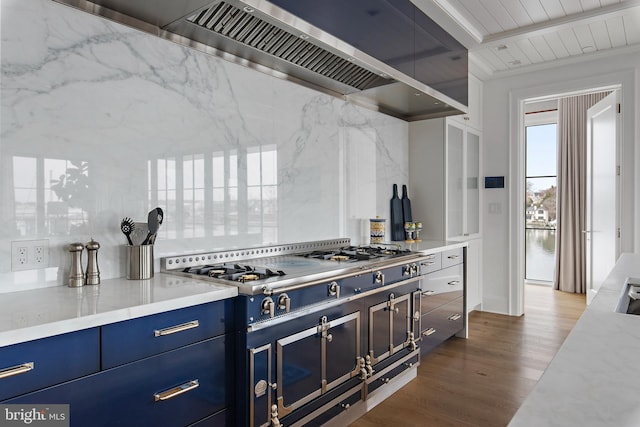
557,46
553,8
590,4
538,31
532,53
489,57
497,10
571,6
518,54
543,48
600,35
536,11
516,12
615,28
585,38
632,26
479,12
570,41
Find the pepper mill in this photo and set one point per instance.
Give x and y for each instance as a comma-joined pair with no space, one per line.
93,271
76,274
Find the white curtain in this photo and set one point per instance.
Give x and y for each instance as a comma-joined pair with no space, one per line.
570,271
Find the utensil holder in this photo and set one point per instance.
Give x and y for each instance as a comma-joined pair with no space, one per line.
139,262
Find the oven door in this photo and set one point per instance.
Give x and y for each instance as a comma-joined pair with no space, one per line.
389,326
316,360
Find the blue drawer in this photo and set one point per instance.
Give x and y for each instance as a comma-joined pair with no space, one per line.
36,364
130,340
130,395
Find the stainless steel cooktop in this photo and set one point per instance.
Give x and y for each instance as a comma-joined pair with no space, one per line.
264,270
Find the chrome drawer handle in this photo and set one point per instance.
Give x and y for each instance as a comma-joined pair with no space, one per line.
454,317
453,256
427,263
429,331
176,391
176,329
430,256
428,293
454,282
16,370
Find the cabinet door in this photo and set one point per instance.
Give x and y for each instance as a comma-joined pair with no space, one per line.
455,176
472,211
389,326
175,388
36,364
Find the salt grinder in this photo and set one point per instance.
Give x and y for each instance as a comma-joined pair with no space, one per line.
76,274
93,271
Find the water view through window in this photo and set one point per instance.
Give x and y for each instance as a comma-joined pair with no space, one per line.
540,224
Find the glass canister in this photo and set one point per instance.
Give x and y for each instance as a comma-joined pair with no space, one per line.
376,229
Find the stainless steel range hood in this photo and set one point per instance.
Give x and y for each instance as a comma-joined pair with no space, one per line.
262,36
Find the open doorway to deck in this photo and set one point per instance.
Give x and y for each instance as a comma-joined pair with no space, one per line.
567,156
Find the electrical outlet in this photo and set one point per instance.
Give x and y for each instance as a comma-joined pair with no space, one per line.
22,255
39,254
29,254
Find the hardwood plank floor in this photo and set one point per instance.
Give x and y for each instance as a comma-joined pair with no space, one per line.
483,380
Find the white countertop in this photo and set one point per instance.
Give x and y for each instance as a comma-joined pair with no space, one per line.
44,312
432,245
594,379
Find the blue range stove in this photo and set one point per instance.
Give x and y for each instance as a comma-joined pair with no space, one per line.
321,325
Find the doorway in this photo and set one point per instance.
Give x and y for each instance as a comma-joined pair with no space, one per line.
538,223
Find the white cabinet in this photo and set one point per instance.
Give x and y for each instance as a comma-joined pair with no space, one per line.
474,117
474,275
444,178
444,185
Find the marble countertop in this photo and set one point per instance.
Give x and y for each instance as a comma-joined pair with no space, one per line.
39,313
593,379
432,245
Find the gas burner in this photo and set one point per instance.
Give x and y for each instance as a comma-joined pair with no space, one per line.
234,272
338,255
355,253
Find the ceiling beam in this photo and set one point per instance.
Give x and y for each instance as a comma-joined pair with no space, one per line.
555,25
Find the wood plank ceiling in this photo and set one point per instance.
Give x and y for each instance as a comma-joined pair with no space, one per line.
512,34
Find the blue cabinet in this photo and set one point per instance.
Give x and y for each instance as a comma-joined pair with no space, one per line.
134,339
173,368
175,388
35,364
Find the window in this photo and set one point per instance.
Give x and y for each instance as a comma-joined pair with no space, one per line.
205,196
541,181
51,196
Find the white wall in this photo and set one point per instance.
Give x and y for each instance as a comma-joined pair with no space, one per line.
500,124
77,87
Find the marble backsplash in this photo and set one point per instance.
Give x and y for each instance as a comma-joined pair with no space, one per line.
100,121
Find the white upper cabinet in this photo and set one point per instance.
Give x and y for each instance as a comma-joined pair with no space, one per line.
444,178
474,118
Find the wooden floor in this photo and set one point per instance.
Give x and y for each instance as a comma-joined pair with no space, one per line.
483,380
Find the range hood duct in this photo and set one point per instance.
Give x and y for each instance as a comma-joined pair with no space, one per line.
262,36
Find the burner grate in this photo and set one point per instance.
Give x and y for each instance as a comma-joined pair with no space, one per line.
234,272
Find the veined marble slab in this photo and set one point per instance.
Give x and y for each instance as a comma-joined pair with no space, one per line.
235,157
593,381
